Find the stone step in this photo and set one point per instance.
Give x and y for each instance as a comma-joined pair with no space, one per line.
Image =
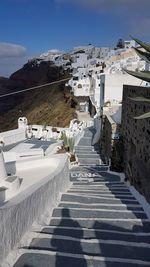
96,183
100,175
85,153
88,134
92,199
88,147
123,225
90,161
100,192
99,234
121,207
91,169
94,247
101,186
103,196
87,156
74,213
85,141
56,259
100,189
90,179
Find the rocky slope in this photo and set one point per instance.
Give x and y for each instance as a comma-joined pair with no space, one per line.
51,105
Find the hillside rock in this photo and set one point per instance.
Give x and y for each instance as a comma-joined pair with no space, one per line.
37,104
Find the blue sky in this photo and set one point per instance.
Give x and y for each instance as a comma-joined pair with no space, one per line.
30,27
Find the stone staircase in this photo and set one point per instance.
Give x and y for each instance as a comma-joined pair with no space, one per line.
98,223
85,152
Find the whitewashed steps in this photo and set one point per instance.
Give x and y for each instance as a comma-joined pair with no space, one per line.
122,207
137,225
94,247
96,200
88,156
55,259
89,213
98,223
91,161
99,234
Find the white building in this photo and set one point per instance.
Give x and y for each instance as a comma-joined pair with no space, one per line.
130,44
123,58
112,85
81,87
81,61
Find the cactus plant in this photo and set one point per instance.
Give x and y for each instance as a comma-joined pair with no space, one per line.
143,75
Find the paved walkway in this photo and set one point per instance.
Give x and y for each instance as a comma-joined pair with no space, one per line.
98,223
84,116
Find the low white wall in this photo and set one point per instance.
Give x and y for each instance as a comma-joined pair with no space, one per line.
18,215
14,156
13,136
53,148
97,126
37,163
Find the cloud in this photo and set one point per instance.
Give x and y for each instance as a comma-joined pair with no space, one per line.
109,5
132,14
54,51
12,57
8,50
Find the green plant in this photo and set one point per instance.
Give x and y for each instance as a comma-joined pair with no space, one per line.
117,160
68,142
71,144
64,138
143,75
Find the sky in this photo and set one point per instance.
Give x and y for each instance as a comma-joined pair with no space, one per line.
31,27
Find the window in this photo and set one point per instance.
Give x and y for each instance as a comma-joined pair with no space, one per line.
75,78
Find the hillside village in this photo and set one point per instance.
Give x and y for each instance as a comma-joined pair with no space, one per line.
102,189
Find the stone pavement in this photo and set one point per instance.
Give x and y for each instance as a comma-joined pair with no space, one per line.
98,222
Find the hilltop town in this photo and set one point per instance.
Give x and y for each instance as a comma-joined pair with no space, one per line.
74,187
83,64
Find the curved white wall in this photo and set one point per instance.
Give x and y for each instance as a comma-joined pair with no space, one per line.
13,136
3,173
17,215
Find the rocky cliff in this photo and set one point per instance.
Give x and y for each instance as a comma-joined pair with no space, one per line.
51,105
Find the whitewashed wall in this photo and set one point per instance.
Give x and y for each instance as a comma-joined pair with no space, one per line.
113,85
13,136
18,215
